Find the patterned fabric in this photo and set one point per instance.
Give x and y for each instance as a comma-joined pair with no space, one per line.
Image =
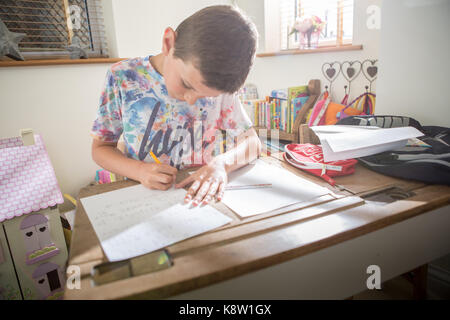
135,103
27,179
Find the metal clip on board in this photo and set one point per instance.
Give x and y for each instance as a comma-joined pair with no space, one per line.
119,270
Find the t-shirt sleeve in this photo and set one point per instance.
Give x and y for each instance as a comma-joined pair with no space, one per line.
233,118
108,122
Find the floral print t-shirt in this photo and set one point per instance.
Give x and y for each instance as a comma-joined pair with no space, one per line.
135,103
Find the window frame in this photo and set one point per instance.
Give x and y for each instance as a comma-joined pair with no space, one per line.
92,21
273,32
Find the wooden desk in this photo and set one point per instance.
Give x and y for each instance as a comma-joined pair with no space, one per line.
281,256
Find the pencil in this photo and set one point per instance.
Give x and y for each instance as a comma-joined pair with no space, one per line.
154,157
159,162
250,186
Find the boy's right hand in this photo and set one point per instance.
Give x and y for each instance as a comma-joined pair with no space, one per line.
157,176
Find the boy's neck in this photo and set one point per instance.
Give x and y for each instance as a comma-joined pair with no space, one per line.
157,62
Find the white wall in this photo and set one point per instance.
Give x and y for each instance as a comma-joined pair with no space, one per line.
139,24
414,60
59,102
290,70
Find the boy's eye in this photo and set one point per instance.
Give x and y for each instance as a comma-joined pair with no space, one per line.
185,85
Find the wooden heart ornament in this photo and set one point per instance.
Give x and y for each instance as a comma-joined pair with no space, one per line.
331,70
370,69
351,69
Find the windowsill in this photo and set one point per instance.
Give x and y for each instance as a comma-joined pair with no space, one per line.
348,47
50,62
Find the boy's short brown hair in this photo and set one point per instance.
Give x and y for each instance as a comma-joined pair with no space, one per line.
221,43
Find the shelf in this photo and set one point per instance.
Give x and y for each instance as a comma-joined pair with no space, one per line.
317,50
50,62
282,135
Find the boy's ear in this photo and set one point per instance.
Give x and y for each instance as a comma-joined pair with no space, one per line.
168,41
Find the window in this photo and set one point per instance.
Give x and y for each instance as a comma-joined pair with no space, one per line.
52,25
338,15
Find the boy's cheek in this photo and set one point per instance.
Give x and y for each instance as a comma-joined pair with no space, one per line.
174,92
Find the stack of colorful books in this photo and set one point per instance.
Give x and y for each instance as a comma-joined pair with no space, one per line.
279,110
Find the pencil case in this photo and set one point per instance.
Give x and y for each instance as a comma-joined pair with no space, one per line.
309,157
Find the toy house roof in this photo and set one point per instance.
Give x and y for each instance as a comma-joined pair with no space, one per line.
27,179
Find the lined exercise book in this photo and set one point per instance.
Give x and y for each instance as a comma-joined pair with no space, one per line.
287,189
133,221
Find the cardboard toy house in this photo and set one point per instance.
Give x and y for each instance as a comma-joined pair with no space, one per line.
33,251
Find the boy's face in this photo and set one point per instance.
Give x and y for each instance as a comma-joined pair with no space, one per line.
184,82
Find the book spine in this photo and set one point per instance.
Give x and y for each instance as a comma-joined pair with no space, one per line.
281,115
258,112
272,122
254,114
274,115
262,113
292,117
288,118
278,115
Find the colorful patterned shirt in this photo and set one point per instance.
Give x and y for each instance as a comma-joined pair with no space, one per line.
135,103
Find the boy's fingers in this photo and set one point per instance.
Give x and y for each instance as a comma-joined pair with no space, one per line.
164,178
185,181
165,168
157,186
212,191
220,191
192,190
202,192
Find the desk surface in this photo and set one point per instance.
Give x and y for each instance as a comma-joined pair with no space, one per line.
253,243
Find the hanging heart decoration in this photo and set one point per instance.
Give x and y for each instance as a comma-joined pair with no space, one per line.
331,70
370,69
351,69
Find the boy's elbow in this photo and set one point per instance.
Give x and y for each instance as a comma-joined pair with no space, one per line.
94,151
98,148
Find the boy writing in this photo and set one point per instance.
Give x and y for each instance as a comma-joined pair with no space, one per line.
175,104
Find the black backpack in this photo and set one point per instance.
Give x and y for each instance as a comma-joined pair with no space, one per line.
430,165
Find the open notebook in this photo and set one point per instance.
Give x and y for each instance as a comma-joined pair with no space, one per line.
135,220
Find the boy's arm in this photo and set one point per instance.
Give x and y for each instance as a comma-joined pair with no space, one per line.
247,149
151,175
211,179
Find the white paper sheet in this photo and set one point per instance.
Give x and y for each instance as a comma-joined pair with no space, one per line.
345,142
133,221
287,188
330,155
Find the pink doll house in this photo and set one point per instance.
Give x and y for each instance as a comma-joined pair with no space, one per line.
38,243
33,251
48,279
